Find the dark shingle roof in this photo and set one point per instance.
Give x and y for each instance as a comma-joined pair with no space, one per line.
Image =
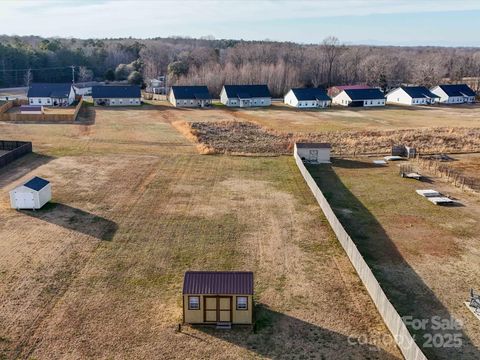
49,90
191,92
351,87
419,92
311,94
247,91
30,107
218,282
36,183
116,92
313,145
458,90
365,94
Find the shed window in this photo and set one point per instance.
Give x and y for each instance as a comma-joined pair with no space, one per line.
194,303
242,303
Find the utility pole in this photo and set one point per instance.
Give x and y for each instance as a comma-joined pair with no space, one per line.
73,74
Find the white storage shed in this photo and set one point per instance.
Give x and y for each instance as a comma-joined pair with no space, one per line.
313,152
32,195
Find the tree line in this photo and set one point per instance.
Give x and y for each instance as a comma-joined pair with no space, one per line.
280,65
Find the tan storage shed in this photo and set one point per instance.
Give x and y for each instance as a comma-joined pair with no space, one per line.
218,297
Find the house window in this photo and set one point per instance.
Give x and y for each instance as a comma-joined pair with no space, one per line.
48,101
242,303
194,303
39,101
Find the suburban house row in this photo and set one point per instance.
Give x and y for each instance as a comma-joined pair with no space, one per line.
42,94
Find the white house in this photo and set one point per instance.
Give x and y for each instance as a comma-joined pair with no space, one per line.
189,96
307,98
51,94
245,95
454,93
313,152
412,95
32,195
117,95
360,98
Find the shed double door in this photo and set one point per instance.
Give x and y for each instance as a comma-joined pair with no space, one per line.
24,200
217,309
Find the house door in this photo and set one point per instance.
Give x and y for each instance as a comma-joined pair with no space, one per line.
217,309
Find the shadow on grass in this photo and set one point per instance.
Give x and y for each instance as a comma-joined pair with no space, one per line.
403,286
76,220
280,336
22,166
86,116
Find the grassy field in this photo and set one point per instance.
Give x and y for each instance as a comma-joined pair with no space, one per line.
425,256
283,118
287,119
469,165
98,272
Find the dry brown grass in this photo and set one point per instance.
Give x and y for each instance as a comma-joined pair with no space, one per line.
242,137
99,274
425,256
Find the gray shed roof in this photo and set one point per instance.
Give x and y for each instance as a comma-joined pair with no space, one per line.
313,145
218,282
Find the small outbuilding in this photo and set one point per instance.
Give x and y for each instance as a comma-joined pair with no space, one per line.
454,94
313,152
190,96
32,195
412,95
116,95
31,109
245,95
360,98
51,94
220,298
305,98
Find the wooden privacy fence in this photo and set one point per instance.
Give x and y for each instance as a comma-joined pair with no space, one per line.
394,322
15,150
46,117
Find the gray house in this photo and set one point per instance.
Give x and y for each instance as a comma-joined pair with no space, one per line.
245,95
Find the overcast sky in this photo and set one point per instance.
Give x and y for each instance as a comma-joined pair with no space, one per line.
395,22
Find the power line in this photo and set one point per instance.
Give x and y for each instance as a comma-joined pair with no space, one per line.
45,68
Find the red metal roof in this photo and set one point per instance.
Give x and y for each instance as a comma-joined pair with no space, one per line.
218,282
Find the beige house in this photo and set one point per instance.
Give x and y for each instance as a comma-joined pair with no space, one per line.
218,297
